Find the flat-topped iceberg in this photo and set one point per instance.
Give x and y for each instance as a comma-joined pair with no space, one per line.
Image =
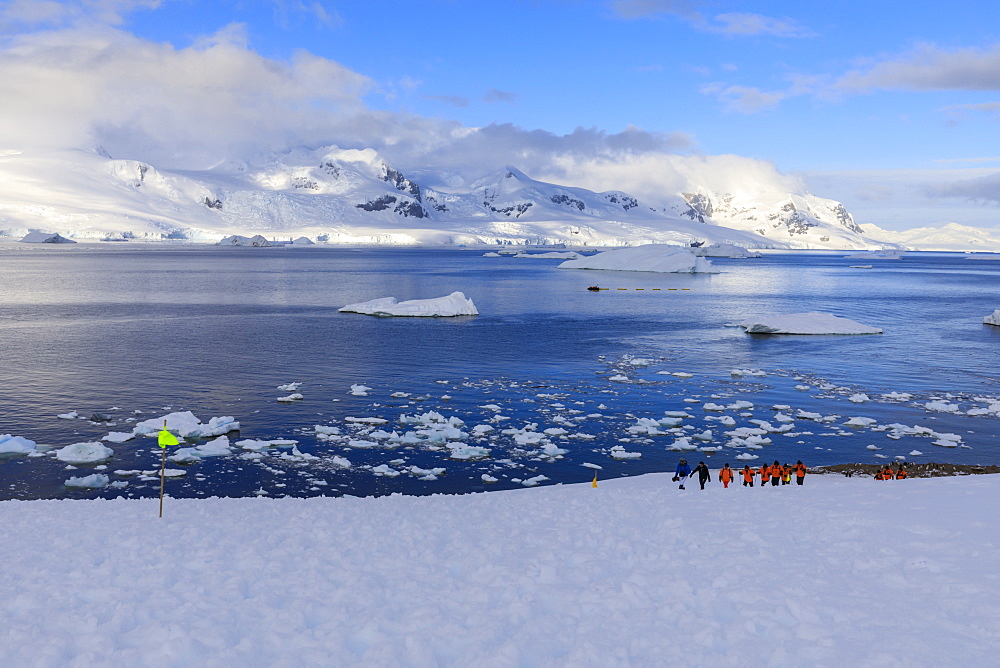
662,258
724,250
992,318
807,323
452,305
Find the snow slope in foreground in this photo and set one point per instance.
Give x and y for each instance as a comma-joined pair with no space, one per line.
837,572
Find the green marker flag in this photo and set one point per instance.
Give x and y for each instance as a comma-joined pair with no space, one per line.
164,439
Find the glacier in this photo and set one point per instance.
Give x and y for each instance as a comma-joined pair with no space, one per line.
350,196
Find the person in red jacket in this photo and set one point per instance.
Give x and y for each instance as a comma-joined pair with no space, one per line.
800,472
726,476
747,476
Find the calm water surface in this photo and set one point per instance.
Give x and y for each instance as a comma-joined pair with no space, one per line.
136,332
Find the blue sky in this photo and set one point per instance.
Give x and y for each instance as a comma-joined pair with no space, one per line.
875,104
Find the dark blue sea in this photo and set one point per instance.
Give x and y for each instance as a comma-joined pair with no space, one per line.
135,332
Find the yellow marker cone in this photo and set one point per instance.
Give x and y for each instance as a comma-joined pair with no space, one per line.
594,484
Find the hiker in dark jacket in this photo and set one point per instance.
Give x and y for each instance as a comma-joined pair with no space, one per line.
682,472
703,474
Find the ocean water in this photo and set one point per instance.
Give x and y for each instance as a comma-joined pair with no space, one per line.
139,331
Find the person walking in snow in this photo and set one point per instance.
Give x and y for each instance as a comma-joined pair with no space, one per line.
901,473
765,474
786,475
682,472
726,476
747,476
703,474
800,472
776,473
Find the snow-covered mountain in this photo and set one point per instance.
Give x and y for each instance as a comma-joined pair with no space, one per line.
354,196
950,237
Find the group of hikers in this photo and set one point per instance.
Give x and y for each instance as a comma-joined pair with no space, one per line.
777,473
888,474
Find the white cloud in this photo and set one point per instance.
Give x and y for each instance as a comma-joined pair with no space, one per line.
179,107
744,99
734,24
926,68
743,24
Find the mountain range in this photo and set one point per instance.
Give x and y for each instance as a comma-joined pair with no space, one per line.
354,196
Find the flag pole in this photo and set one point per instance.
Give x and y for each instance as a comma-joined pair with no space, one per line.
163,469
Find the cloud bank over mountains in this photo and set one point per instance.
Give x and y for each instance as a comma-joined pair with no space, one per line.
218,100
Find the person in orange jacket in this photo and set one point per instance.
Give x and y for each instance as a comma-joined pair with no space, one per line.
726,476
800,472
765,474
887,473
776,472
747,476
901,473
786,474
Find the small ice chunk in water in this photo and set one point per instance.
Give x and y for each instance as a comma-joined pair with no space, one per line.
94,480
359,390
84,453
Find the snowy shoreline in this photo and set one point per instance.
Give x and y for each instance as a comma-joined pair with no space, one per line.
634,572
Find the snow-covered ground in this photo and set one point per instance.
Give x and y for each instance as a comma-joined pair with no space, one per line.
837,572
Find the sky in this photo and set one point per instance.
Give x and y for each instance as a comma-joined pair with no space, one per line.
890,110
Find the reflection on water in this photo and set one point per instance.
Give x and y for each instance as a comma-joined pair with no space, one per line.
216,330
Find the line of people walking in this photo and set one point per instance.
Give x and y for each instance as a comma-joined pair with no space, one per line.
776,473
888,474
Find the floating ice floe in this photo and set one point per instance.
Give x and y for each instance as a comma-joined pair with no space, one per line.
359,390
941,406
724,250
992,318
858,398
532,482
454,304
897,396
814,323
72,415
186,425
256,444
289,387
747,372
94,480
552,255
662,258
16,445
860,422
619,452
215,448
295,396
746,456
84,453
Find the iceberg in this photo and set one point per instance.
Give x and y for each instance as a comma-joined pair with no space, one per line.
807,323
84,453
17,445
993,318
662,258
724,250
452,305
237,240
93,481
186,425
45,238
